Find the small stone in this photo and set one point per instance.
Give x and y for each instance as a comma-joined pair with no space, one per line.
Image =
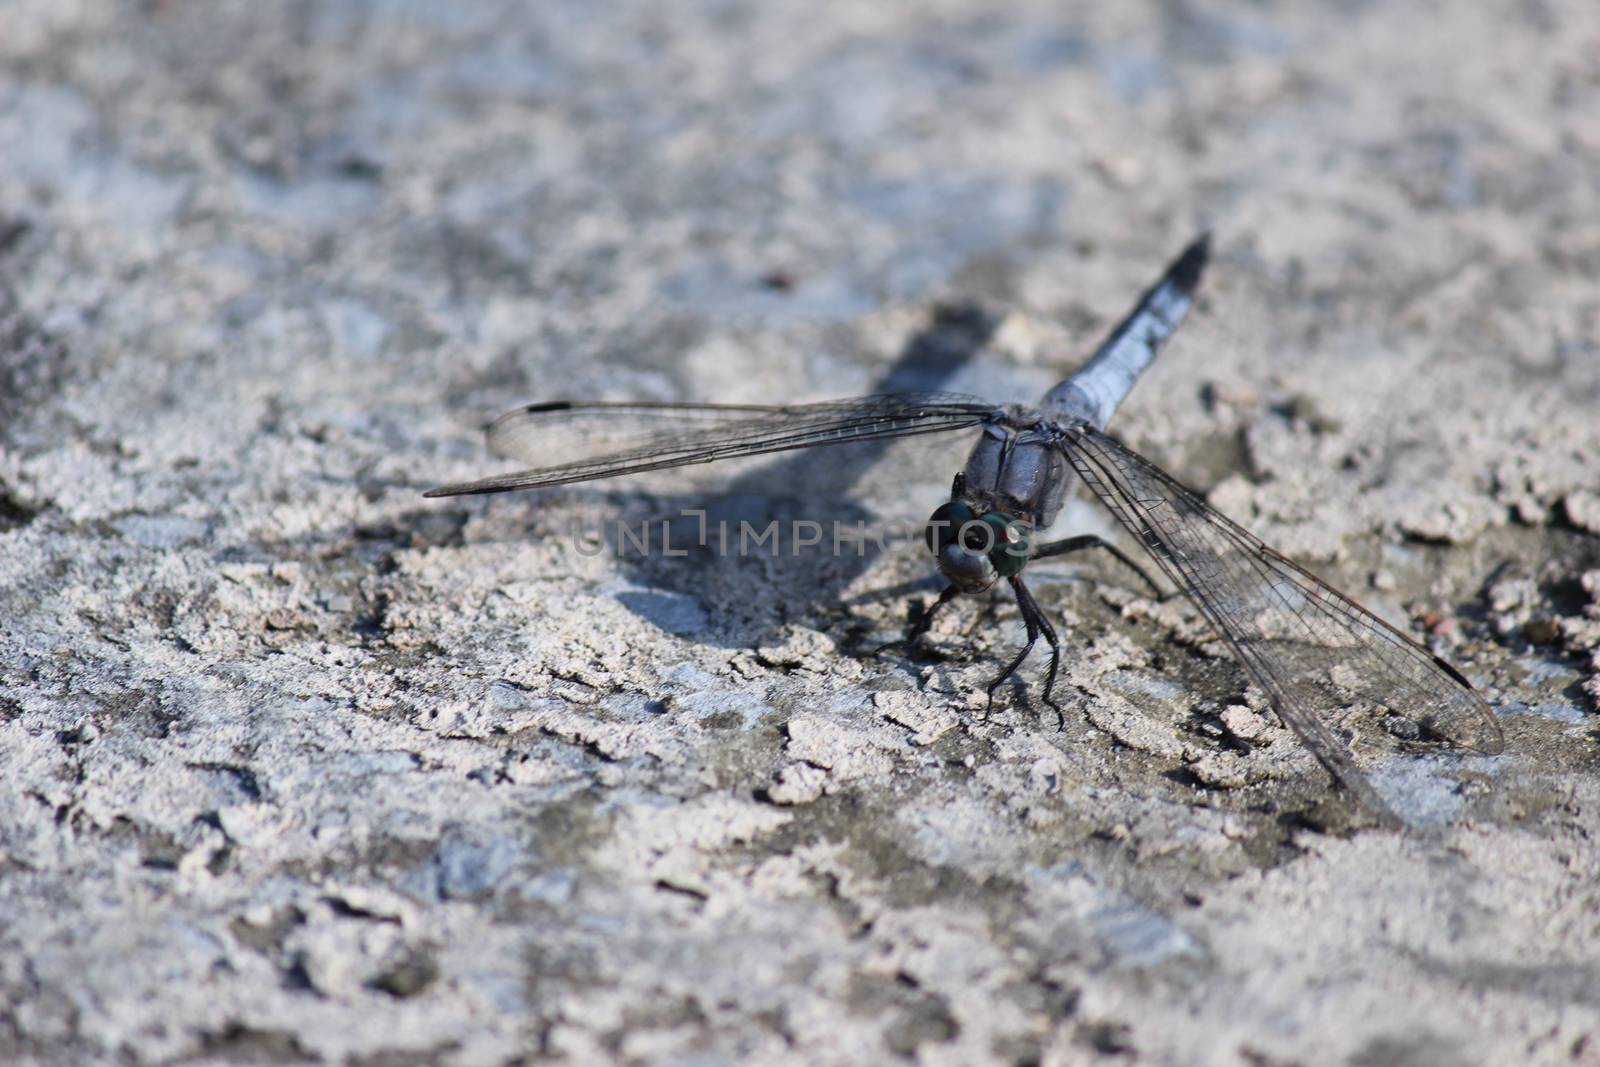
1436,624
82,733
1580,634
1242,722
1582,510
468,870
407,976
798,783
1304,409
1591,584
1401,727
1512,593
1018,338
1541,631
1230,394
1222,770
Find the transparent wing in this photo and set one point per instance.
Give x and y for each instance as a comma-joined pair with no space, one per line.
581,442
1317,654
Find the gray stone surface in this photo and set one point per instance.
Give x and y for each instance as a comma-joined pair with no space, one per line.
299,767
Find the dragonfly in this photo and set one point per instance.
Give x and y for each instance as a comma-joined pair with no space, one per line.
1320,658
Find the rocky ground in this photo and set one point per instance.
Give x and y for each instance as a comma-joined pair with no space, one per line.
300,767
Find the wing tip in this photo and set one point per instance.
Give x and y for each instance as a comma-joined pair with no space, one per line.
528,409
471,489
1486,738
1493,745
1450,669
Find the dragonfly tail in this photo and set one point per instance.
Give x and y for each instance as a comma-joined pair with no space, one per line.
1093,393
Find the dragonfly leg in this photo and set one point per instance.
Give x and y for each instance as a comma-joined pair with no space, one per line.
1083,541
1041,624
1030,620
923,624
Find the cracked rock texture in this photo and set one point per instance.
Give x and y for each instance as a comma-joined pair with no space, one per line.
300,768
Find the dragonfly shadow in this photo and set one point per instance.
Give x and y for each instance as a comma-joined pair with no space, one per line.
710,591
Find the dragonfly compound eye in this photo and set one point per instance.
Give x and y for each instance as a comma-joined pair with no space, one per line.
1010,546
944,525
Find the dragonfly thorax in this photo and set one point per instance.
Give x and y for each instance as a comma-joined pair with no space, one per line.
1016,467
974,548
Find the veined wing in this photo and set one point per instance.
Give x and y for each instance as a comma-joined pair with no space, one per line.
1317,654
581,442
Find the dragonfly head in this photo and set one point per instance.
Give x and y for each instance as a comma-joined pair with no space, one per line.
974,550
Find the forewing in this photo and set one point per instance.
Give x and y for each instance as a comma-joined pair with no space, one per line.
1317,654
583,442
